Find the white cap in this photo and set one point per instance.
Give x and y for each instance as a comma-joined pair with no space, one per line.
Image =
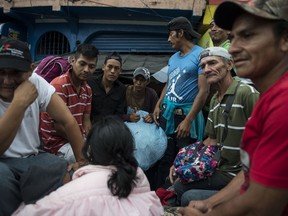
215,51
161,75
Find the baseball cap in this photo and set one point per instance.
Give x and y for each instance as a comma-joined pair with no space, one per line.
215,51
142,71
14,54
228,11
182,23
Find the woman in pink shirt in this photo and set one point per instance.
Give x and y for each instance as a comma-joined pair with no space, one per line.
112,184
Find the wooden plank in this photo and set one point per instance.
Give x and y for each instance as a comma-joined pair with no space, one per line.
154,4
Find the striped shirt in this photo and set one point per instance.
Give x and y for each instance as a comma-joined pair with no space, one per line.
78,104
244,101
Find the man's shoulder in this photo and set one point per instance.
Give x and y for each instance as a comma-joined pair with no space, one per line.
95,77
39,81
60,80
197,50
120,85
245,88
94,81
150,90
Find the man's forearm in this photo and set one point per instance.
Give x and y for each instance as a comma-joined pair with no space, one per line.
76,139
228,192
258,199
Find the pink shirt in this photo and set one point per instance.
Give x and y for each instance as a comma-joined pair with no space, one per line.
88,195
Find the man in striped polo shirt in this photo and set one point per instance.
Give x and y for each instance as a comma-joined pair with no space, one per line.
216,64
77,94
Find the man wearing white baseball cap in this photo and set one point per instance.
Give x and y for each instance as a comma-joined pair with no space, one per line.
216,64
259,46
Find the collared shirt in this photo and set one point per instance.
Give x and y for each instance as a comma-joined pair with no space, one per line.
111,103
242,107
78,104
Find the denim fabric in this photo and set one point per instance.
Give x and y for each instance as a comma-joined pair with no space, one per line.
216,182
19,182
196,194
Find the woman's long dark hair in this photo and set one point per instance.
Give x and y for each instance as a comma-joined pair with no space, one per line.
110,142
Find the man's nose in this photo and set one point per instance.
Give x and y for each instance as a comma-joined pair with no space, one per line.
206,70
7,79
86,68
234,47
169,39
113,70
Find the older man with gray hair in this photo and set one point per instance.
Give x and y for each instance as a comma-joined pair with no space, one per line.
216,64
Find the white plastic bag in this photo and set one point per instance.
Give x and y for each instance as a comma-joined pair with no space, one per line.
150,141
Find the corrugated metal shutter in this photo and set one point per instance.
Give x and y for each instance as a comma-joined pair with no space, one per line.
131,42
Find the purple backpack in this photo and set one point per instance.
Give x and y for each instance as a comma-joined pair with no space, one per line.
51,67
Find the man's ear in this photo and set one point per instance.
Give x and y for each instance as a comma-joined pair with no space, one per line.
32,68
230,64
284,43
181,33
71,59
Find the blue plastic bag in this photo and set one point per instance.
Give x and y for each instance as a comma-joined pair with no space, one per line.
150,141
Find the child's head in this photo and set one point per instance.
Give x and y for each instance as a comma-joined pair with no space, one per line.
110,142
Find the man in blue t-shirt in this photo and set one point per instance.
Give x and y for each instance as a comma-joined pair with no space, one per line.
178,111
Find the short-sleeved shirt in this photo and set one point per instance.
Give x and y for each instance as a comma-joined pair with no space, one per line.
264,148
111,103
246,97
183,74
78,104
26,141
182,89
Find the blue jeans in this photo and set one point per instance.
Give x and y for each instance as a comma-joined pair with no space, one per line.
216,182
28,179
196,194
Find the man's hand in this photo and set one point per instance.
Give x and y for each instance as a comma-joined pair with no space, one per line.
148,118
71,169
189,211
201,205
156,114
172,175
197,208
25,94
183,129
74,166
134,117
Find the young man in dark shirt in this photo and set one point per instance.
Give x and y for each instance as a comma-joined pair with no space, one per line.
108,92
